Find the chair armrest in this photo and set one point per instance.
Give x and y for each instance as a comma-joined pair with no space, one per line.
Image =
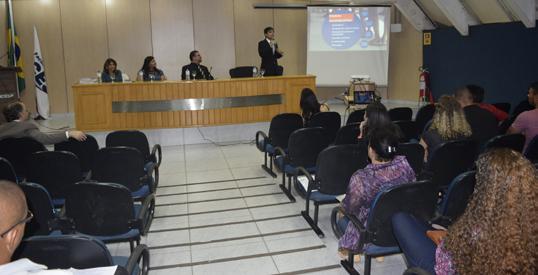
311,182
416,271
147,178
141,253
281,152
265,139
88,176
358,225
146,214
157,154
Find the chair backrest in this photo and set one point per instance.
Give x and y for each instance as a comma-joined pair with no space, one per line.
414,153
84,150
243,71
65,251
417,198
17,151
356,116
348,134
424,115
305,145
408,129
101,209
122,165
505,125
531,152
451,159
329,121
504,106
40,203
281,127
401,113
336,165
57,171
515,142
458,195
6,171
129,138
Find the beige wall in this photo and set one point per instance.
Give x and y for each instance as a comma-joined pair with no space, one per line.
78,35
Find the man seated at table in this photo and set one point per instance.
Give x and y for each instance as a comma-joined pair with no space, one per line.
18,126
196,70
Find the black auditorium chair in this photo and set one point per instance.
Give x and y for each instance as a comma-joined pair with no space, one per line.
356,116
107,212
80,252
408,129
348,134
504,106
280,129
424,115
6,171
456,199
335,166
304,146
243,71
515,142
17,151
531,152
449,160
401,113
418,199
329,121
125,166
414,153
57,171
46,220
84,150
138,140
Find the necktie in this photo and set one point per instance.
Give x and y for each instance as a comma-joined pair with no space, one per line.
201,72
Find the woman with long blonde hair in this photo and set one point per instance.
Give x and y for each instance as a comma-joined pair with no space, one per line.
448,124
497,232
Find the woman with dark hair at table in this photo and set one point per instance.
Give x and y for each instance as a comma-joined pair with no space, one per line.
309,105
110,72
149,71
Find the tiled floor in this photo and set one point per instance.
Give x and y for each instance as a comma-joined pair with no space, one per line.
218,212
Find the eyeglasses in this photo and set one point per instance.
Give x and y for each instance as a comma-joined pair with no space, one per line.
29,216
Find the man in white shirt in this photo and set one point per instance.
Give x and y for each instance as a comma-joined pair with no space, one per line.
14,215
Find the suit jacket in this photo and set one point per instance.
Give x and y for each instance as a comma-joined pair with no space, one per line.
19,129
201,72
269,59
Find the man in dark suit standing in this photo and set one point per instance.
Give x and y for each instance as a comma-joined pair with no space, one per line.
196,70
269,52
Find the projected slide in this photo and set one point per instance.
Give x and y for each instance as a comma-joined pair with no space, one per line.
348,28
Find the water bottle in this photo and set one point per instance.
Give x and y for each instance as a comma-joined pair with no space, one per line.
254,71
98,76
141,75
187,74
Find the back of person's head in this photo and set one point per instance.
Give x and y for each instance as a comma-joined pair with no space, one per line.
534,87
13,212
309,103
377,117
497,232
463,96
13,111
383,142
477,93
108,62
147,60
449,119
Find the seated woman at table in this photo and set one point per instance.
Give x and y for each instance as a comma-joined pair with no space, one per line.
310,106
149,71
110,72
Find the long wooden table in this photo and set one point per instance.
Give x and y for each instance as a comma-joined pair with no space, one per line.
175,104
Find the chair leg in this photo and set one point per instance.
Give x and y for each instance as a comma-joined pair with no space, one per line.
367,264
131,246
313,223
264,165
348,264
286,191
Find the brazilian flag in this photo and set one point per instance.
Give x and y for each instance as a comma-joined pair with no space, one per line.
14,53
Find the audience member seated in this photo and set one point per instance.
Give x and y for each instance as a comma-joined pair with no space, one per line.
376,117
495,235
110,72
448,124
149,71
310,105
195,68
477,94
525,105
15,215
19,126
527,122
483,123
386,170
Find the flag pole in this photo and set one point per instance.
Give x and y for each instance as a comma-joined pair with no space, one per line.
13,45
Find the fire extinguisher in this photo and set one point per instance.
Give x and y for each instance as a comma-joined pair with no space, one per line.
425,92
